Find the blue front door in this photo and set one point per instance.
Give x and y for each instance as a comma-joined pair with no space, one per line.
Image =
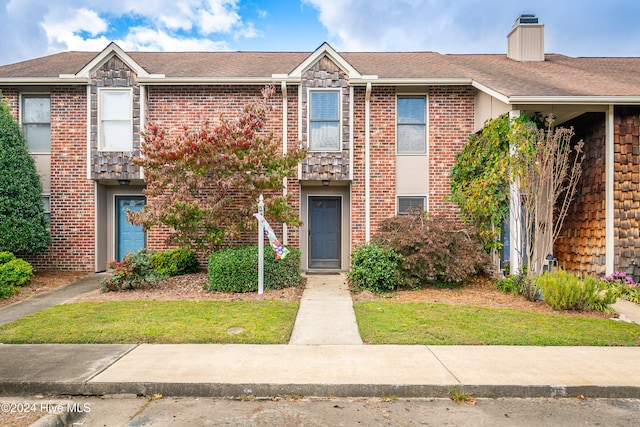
324,232
130,238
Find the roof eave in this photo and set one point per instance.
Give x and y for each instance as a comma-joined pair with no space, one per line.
585,100
163,80
42,81
377,81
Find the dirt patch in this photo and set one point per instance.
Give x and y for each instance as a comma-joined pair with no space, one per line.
478,293
44,282
189,287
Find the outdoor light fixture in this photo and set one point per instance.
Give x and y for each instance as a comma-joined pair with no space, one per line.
325,182
124,182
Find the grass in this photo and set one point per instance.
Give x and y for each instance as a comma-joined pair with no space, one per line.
266,322
441,324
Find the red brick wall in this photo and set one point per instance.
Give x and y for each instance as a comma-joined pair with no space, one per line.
451,121
72,194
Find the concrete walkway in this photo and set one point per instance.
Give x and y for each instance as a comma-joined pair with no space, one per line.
326,315
324,358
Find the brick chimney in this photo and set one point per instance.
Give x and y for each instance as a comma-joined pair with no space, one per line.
525,42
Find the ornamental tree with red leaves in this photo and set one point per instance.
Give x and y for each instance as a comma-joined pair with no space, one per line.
204,183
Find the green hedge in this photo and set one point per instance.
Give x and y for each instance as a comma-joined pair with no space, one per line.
236,270
174,262
374,268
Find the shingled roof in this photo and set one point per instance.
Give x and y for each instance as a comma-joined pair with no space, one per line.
557,76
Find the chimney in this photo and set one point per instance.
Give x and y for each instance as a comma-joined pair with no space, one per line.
525,42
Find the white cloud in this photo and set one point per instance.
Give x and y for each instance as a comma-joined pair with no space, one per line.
64,31
146,39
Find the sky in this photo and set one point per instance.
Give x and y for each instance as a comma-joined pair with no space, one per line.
34,28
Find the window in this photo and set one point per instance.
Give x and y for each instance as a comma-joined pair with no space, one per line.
408,204
412,127
324,120
46,203
116,127
36,122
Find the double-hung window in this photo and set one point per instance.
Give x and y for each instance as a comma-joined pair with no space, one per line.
324,120
116,120
36,123
411,134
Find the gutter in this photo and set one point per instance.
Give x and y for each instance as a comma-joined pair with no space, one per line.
367,164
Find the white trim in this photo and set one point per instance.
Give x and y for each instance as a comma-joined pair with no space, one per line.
99,117
325,50
89,135
351,138
618,100
109,52
367,164
504,99
338,90
300,118
143,120
285,148
609,193
411,81
515,217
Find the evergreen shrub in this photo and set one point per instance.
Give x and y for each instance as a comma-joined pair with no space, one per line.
174,262
374,268
235,269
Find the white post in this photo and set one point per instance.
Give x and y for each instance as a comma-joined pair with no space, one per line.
260,247
515,217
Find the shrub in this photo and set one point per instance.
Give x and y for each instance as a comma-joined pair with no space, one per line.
564,291
510,285
133,272
623,286
7,291
374,268
236,270
5,257
16,272
23,227
174,262
434,249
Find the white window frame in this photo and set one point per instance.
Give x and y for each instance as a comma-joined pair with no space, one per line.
424,123
24,96
310,93
410,196
101,136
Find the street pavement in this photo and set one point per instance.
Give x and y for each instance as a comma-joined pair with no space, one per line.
326,357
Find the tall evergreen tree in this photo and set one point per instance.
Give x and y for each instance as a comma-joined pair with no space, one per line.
23,228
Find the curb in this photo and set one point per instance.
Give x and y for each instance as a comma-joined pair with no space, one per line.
316,390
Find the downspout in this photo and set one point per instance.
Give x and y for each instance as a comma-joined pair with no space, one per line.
367,164
515,217
283,86
609,192
351,148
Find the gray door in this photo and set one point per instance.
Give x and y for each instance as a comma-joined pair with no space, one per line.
324,232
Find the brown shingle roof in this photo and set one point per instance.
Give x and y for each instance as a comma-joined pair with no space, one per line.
558,75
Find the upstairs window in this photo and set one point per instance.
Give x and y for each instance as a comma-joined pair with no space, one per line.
116,120
412,125
36,123
324,120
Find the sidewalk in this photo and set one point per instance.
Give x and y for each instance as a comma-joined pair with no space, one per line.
312,365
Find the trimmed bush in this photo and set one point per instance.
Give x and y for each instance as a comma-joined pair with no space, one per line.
236,270
5,257
133,272
564,291
16,272
435,250
174,262
374,268
23,227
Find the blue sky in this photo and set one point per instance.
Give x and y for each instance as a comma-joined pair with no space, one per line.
33,28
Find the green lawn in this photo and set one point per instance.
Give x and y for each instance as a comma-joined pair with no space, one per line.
265,322
441,324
